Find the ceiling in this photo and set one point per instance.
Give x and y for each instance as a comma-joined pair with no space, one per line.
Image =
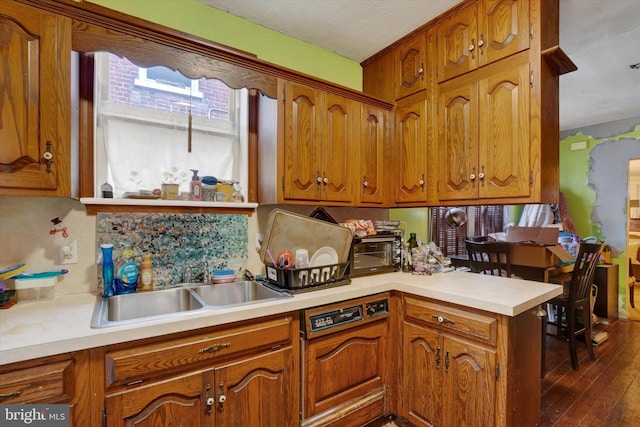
602,37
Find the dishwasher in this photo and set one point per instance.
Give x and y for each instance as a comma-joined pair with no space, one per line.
344,361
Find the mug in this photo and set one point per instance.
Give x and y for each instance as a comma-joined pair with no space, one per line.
302,258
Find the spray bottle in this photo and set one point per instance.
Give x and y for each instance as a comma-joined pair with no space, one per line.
107,270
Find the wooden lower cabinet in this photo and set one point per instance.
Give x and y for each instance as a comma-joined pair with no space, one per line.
249,392
62,379
468,367
243,375
447,381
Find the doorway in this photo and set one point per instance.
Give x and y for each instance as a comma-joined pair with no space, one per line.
633,239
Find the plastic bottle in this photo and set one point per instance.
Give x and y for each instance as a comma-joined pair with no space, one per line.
146,274
128,270
413,240
195,188
107,270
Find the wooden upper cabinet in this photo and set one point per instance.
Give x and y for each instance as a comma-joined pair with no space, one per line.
320,131
373,136
34,102
378,77
481,33
484,141
410,150
411,66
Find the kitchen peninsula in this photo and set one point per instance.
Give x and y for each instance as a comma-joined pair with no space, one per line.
497,313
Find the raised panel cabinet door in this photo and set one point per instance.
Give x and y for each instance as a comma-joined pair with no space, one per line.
422,367
35,53
373,134
458,44
341,126
302,139
458,142
411,62
504,156
259,391
179,401
503,29
410,156
469,384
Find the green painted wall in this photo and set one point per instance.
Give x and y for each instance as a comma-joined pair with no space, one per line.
574,175
271,46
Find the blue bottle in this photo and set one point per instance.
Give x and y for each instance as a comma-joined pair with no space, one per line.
107,270
127,271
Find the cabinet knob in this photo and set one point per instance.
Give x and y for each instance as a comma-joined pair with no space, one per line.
365,183
319,179
421,70
325,180
472,45
48,156
481,175
472,177
481,41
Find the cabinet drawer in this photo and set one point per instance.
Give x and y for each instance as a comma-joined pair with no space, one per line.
479,326
48,383
143,361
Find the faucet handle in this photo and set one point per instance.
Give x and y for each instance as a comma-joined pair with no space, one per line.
206,274
186,275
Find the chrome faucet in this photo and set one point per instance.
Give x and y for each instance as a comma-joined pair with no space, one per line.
186,275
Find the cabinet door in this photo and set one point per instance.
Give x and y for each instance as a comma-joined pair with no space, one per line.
503,29
504,153
458,141
301,143
410,156
258,392
458,44
422,367
469,384
411,62
179,400
341,125
34,101
373,136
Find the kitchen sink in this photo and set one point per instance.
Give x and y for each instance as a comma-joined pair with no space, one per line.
148,304
136,307
225,294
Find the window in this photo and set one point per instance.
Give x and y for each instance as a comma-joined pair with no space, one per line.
482,220
154,125
163,79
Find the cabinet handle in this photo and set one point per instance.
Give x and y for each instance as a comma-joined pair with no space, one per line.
421,69
319,179
421,182
472,45
5,396
209,400
365,183
447,362
221,397
325,180
438,358
215,348
441,319
481,41
48,156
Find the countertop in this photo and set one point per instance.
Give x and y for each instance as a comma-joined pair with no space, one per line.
35,329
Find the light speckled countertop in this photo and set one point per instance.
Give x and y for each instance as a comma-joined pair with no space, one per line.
30,330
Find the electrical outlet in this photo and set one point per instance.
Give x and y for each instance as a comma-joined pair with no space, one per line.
69,253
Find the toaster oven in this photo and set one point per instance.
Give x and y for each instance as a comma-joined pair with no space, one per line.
381,253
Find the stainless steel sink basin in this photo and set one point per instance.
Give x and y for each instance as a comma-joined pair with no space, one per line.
169,303
225,294
148,304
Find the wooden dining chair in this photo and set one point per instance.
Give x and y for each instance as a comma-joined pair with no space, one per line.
577,301
488,257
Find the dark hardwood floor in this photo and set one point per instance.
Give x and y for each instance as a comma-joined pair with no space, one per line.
604,392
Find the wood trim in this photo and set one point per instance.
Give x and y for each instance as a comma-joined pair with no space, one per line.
559,60
86,131
95,26
94,209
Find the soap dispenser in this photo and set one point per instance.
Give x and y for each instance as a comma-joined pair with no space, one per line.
195,188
